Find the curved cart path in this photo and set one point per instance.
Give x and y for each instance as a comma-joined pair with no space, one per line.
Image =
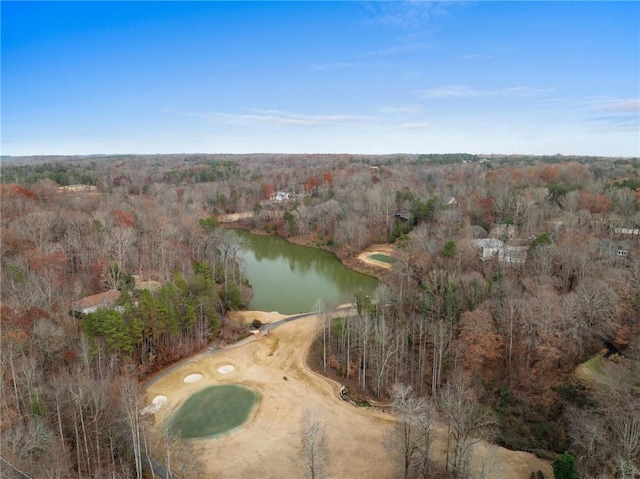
215,349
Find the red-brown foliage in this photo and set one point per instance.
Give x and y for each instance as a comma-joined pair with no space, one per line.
594,202
48,265
549,173
327,177
483,345
124,218
14,189
311,184
268,191
97,270
483,208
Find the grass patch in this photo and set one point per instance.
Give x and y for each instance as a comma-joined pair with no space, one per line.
594,365
592,371
213,411
380,257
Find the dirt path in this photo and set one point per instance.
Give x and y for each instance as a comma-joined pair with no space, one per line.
268,444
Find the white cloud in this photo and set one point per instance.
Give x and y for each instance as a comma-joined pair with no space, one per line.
409,47
415,125
400,109
620,106
412,15
473,56
414,18
282,118
616,115
451,91
461,91
316,67
525,91
388,118
622,122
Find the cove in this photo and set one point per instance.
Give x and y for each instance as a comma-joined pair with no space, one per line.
289,278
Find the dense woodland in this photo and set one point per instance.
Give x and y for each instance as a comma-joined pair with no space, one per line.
487,345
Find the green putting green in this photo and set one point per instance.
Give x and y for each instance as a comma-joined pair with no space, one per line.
213,411
380,257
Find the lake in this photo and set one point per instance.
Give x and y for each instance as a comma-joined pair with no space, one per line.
289,278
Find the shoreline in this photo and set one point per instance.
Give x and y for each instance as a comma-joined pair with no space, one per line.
357,263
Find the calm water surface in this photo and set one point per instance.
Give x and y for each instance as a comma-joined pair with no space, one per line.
289,278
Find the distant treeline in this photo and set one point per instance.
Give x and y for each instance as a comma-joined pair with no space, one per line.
69,173
203,168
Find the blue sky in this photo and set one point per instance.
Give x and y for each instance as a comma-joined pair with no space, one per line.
331,77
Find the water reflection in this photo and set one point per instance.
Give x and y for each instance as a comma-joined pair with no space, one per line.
289,278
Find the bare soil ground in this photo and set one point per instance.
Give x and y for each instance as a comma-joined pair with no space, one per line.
233,217
268,444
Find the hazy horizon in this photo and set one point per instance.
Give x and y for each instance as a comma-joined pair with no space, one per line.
277,153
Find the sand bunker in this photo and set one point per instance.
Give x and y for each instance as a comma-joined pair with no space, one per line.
155,405
226,369
193,378
376,255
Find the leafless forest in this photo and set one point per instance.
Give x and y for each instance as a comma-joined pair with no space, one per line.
509,272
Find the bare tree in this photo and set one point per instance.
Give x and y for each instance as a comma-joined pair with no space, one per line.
484,465
39,227
320,308
413,436
598,305
313,446
589,439
119,241
352,235
327,214
606,436
468,422
170,442
624,201
304,219
129,395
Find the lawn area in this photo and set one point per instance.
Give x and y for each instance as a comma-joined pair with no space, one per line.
380,257
213,411
593,371
595,365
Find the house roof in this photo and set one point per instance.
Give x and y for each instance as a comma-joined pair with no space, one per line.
627,231
106,299
76,188
513,254
614,244
489,243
